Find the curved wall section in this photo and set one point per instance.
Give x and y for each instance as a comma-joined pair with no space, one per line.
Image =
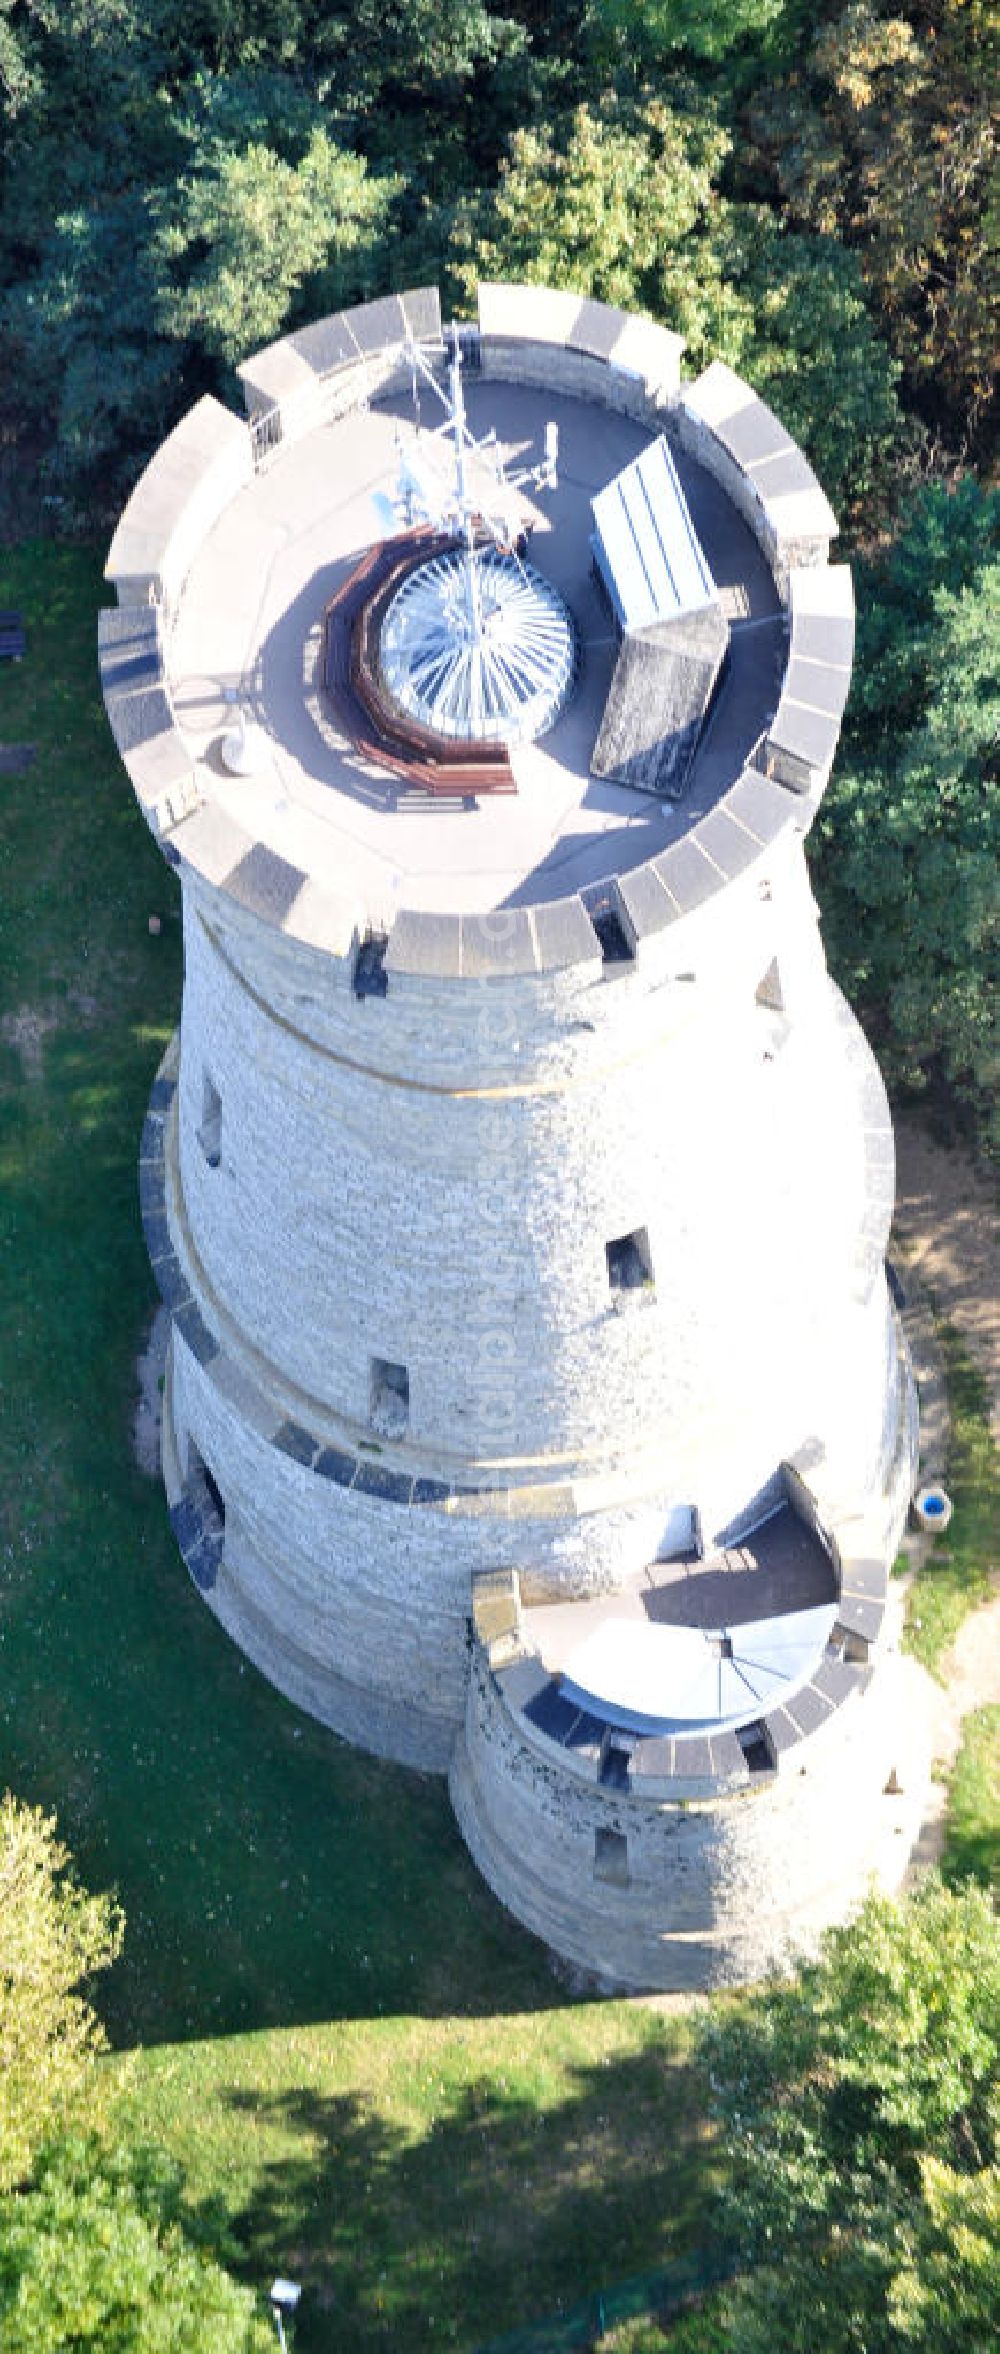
342,1205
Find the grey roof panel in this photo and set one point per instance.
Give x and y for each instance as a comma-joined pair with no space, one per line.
425,943
522,1680
376,324
808,1709
136,718
596,329
759,803
818,684
728,843
645,902
789,471
867,1578
495,944
810,736
264,883
422,311
565,934
823,638
752,434
689,877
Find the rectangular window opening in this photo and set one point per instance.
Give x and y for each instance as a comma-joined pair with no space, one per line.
755,1743
616,947
389,1400
630,1261
210,1132
611,1858
204,1491
616,1764
370,976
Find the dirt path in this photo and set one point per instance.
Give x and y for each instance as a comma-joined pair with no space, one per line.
947,1221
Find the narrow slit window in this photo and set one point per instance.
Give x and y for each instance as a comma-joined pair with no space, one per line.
210,1132
616,947
370,976
611,1858
630,1261
389,1400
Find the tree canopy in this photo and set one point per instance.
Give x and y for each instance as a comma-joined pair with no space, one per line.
54,1938
809,192
94,2256
859,2111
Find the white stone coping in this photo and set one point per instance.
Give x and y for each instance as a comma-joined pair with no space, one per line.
194,474
521,313
758,445
299,362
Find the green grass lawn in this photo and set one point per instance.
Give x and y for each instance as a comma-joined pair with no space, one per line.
961,1564
972,1844
364,2065
346,2040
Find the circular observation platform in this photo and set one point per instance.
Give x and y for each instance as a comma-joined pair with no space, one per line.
247,628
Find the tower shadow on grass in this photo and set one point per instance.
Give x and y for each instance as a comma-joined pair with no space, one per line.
421,2233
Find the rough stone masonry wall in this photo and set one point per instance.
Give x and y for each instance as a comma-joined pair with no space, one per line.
432,1180
716,1891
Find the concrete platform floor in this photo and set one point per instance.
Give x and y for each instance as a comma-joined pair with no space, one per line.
248,626
780,1568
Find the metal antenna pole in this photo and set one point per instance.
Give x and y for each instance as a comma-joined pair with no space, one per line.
472,586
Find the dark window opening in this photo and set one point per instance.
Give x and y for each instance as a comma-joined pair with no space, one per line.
630,1263
370,976
615,1766
616,947
389,1399
210,1132
204,1490
755,1744
611,1858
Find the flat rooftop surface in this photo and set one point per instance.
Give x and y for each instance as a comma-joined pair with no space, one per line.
248,629
705,1642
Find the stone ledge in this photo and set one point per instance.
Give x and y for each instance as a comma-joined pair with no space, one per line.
194,474
288,376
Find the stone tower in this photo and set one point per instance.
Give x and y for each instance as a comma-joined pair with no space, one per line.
518,1181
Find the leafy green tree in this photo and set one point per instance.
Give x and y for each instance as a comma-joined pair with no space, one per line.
244,231
94,2256
53,1938
842,2097
93,375
627,205
907,844
945,2295
621,206
812,352
884,132
701,28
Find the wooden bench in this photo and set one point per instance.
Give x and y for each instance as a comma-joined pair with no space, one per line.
425,761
